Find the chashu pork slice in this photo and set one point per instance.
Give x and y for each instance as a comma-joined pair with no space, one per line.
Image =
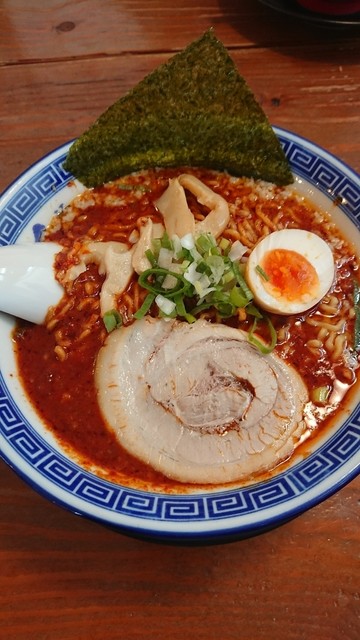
197,401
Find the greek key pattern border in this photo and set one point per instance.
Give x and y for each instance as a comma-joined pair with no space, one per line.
66,475
27,201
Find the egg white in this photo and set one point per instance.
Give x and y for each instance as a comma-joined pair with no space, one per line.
316,251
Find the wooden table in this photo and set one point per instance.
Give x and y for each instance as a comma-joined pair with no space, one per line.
62,64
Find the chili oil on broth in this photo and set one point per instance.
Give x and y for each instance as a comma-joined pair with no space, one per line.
57,361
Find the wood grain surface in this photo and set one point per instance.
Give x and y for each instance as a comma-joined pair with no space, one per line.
62,577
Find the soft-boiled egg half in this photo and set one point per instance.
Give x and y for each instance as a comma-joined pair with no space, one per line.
289,271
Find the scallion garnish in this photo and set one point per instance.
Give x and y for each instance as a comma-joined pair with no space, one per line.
320,395
150,256
242,282
112,320
166,242
145,307
262,273
166,306
190,275
181,310
152,280
253,311
264,348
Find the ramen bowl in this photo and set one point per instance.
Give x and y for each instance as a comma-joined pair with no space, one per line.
330,461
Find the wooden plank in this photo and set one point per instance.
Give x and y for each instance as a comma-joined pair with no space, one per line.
51,30
64,577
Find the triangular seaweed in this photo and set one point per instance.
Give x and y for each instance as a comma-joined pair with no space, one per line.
194,110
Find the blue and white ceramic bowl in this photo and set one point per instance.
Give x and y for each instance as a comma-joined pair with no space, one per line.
213,516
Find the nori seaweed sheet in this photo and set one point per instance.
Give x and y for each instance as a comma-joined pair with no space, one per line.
194,110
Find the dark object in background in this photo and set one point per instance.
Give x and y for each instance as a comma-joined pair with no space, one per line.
331,7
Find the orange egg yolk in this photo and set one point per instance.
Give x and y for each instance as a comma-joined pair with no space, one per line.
289,275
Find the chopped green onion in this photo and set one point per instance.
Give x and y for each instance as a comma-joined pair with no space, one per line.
242,282
150,256
224,245
225,309
181,310
140,313
155,285
320,395
188,242
254,311
165,258
166,242
237,251
165,305
156,245
264,348
205,243
177,246
262,273
204,306
112,319
169,282
203,267
193,275
237,298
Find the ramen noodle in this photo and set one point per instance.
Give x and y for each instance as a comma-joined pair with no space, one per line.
57,360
